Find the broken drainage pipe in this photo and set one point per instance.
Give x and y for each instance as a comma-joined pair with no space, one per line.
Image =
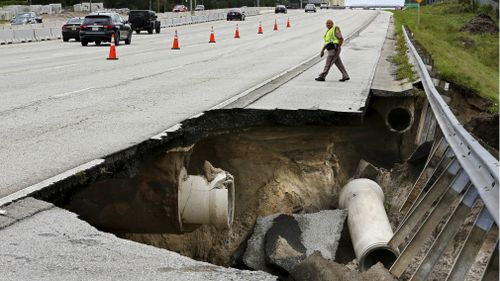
369,226
206,201
160,198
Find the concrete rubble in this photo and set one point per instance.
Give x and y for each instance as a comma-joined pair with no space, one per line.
283,246
281,242
315,267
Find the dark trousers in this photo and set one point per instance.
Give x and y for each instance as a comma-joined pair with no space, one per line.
333,57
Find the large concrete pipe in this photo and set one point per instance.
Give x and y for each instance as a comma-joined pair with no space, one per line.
206,201
399,119
397,112
369,226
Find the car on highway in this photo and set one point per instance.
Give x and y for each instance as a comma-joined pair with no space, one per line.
179,8
280,9
235,14
144,20
99,27
26,18
199,8
71,30
324,6
310,8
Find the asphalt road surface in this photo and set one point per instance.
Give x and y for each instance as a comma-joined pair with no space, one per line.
62,104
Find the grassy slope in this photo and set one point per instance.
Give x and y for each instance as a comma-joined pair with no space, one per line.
475,67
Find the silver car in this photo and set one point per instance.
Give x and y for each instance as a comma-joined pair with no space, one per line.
310,8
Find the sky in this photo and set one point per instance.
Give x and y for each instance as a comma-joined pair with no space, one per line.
375,2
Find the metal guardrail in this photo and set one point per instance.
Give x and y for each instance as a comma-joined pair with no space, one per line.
458,172
475,160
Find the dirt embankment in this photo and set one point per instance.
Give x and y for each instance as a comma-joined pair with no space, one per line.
473,111
481,23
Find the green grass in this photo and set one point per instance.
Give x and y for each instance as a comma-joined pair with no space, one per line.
404,68
474,66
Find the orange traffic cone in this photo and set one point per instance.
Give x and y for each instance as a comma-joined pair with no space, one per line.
260,29
175,45
275,26
288,25
212,36
237,32
112,49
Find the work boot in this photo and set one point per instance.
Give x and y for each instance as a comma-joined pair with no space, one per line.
319,79
344,79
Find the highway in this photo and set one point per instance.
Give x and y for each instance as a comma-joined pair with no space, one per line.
63,104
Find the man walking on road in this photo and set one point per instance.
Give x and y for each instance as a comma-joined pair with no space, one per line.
333,41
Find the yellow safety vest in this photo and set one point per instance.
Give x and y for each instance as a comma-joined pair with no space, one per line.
330,36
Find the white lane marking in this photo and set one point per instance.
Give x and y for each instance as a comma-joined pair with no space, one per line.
63,66
70,93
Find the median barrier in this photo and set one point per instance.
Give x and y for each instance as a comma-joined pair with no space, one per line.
24,35
56,32
6,37
47,31
42,34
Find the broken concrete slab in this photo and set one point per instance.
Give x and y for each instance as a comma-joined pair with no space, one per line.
55,245
283,245
21,209
319,232
317,268
6,221
254,256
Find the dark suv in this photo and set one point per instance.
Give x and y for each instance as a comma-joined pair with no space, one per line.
144,20
280,9
98,27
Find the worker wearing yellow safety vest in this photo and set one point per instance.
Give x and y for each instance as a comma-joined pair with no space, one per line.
333,41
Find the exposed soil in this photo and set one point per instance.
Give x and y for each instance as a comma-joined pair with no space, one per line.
481,23
473,112
277,170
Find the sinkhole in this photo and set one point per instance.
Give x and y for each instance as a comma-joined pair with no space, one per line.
263,169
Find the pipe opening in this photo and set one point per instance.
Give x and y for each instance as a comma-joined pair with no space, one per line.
399,119
386,256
